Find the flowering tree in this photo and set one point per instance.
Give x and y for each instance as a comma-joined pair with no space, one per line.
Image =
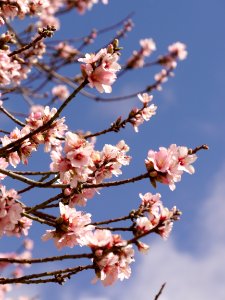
33,62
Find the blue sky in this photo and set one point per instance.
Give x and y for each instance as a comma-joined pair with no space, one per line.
191,110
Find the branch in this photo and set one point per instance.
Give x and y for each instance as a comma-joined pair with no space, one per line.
160,291
45,259
28,278
43,33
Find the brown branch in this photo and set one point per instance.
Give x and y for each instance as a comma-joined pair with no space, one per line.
195,150
45,259
160,291
14,119
43,204
115,183
43,33
118,124
28,278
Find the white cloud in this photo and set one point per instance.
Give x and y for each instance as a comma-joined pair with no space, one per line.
189,276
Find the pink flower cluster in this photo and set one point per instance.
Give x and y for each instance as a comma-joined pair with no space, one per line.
11,222
21,8
138,116
81,163
158,218
66,51
137,59
45,9
167,165
112,255
31,56
177,51
60,91
50,137
72,226
100,69
83,5
10,69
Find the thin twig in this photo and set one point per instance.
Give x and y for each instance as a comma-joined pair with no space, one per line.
160,291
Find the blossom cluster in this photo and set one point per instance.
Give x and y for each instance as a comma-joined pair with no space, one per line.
138,57
158,218
167,165
100,69
50,137
138,116
83,5
60,91
72,226
14,69
81,163
177,51
10,69
44,9
112,256
11,9
65,50
11,221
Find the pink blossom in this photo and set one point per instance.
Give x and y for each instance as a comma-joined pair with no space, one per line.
100,69
83,5
21,228
142,247
137,58
3,165
145,98
65,50
178,50
71,228
167,165
112,265
99,239
147,46
10,211
157,218
60,91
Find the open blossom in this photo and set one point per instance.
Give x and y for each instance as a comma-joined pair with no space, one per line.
65,50
72,225
178,50
10,69
161,77
83,5
137,59
157,218
112,265
23,7
10,211
100,69
78,161
60,91
138,116
50,137
167,165
147,46
21,227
